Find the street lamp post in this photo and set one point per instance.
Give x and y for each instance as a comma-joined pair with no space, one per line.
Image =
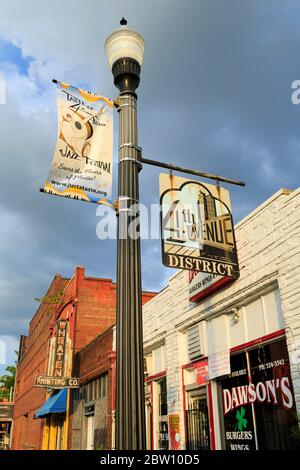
124,49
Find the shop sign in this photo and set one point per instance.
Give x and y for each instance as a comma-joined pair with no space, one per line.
269,391
197,227
163,432
56,382
259,390
219,364
60,359
202,285
174,431
242,436
201,372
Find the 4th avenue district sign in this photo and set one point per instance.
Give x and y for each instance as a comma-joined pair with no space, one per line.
197,227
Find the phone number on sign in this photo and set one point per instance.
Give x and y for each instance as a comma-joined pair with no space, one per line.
270,365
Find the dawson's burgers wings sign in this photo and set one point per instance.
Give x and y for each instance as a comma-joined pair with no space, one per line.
273,391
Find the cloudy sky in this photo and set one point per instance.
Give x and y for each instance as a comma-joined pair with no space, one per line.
215,95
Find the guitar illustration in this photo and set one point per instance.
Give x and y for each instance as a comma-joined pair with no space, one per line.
76,130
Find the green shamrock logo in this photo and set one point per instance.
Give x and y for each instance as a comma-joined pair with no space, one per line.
241,420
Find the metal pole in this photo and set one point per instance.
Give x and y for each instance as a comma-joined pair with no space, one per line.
130,403
169,166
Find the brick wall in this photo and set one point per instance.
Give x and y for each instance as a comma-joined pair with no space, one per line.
96,308
27,431
89,304
94,360
97,357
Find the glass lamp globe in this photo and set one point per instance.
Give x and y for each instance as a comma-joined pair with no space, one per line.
124,42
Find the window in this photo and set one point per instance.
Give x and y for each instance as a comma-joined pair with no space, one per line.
95,390
163,441
75,394
193,342
98,387
95,395
103,386
258,400
159,359
88,391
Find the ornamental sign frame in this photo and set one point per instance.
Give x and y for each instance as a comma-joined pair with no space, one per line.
197,231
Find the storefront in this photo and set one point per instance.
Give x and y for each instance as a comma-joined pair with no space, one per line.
68,353
157,412
232,348
258,402
197,404
6,413
92,412
93,404
156,403
55,414
160,391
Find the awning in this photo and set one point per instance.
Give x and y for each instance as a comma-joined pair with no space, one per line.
55,404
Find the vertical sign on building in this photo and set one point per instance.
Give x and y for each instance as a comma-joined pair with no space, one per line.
59,361
59,357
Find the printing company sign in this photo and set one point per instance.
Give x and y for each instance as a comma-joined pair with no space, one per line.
197,227
56,382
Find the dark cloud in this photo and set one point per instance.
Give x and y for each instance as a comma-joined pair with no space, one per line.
215,95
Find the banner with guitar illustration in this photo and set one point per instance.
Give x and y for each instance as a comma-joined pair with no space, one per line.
82,164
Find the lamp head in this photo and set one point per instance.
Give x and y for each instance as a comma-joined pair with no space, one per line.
125,52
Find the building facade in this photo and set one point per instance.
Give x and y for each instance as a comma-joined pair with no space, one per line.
71,337
6,415
94,402
223,361
27,432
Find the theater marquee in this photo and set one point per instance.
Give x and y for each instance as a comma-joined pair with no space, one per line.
197,227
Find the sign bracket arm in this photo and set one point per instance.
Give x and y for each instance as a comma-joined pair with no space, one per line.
191,172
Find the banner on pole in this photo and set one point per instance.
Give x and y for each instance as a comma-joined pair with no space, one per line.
197,227
82,164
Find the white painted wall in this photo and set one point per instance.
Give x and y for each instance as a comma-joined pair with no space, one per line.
266,294
258,318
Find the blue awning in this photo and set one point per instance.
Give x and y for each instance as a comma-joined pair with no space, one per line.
55,404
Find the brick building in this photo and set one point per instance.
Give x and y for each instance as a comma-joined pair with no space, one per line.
86,309
6,414
27,432
223,371
94,403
